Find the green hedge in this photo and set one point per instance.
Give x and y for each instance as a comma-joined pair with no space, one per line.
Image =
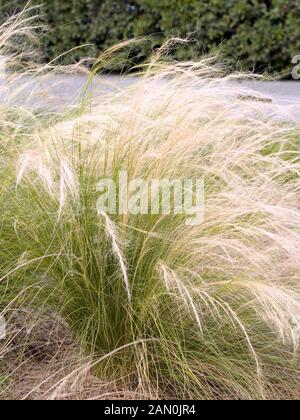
258,34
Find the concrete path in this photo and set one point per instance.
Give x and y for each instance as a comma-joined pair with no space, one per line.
60,91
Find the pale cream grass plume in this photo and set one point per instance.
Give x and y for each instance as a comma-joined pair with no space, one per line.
255,257
235,257
26,81
90,128
19,44
38,161
163,150
279,306
172,282
41,163
116,247
19,26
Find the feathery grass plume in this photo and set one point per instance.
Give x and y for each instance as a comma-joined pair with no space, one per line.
202,311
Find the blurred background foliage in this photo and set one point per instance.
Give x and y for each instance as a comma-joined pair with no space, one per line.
257,35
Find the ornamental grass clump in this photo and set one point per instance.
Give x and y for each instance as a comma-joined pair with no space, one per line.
207,310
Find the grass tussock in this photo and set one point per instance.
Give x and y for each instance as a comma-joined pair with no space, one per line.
205,311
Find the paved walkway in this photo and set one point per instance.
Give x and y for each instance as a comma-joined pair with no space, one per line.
282,93
60,91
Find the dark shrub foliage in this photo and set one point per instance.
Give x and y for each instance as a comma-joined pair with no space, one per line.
258,34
